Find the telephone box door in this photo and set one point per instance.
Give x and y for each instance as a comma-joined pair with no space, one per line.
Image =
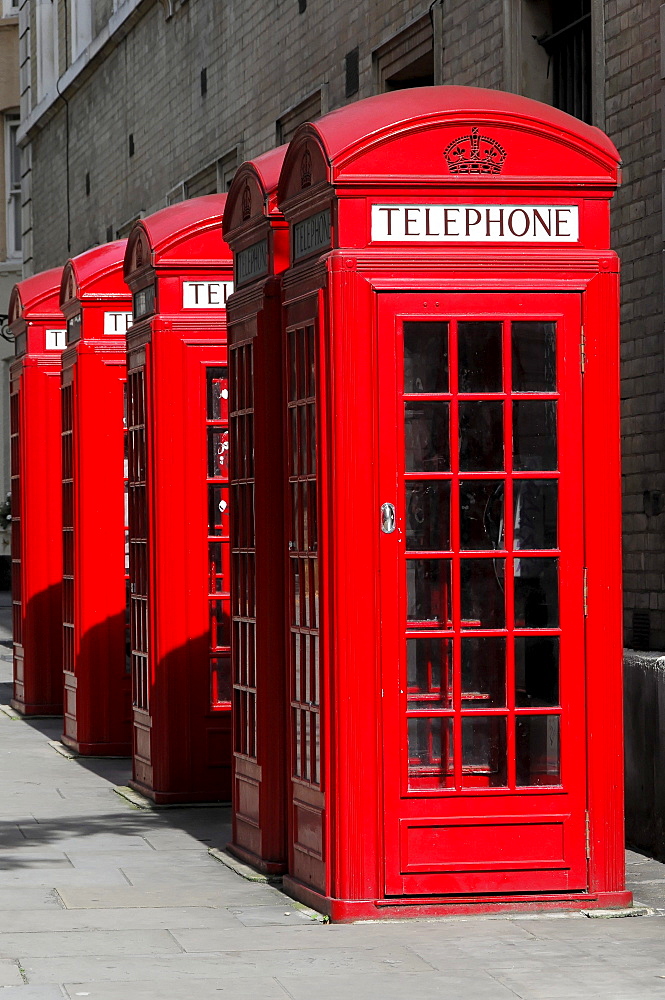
482,558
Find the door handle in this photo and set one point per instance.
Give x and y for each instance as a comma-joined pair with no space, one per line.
387,518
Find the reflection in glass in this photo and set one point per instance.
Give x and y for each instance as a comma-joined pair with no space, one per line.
534,359
481,513
479,353
217,404
426,356
537,750
426,444
535,506
430,673
481,435
482,593
483,672
534,434
484,750
428,515
429,591
536,671
430,752
536,593
218,510
218,453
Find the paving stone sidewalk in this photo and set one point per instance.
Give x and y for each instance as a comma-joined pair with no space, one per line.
102,900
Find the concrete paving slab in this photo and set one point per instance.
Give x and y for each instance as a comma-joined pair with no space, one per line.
191,988
230,965
35,944
407,986
10,973
131,897
46,992
172,840
201,918
270,915
21,898
53,876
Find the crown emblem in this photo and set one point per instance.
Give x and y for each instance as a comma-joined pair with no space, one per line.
139,253
246,205
306,168
475,154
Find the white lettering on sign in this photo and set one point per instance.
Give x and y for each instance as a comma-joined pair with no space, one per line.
56,340
206,294
116,324
475,223
311,234
252,262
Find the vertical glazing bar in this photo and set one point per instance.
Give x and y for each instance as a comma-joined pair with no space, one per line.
508,521
453,375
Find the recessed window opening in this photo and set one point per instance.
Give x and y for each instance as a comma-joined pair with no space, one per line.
567,44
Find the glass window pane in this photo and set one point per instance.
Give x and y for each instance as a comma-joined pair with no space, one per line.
535,506
483,672
481,513
426,357
534,358
428,584
428,515
534,434
481,435
482,593
430,673
484,750
426,443
217,392
218,453
536,671
536,593
430,752
479,356
537,750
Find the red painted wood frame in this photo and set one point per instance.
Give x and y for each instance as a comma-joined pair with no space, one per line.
451,360
38,328
95,302
180,273
257,234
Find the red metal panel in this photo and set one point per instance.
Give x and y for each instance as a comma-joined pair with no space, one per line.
96,304
179,271
38,328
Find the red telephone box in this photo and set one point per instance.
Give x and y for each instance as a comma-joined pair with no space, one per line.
180,273
95,302
257,233
454,584
38,328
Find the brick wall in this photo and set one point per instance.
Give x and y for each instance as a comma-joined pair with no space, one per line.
633,94
261,59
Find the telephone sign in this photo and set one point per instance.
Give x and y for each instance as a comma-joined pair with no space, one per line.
205,294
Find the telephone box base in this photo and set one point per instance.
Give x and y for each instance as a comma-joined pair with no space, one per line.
260,864
97,749
29,709
348,911
178,798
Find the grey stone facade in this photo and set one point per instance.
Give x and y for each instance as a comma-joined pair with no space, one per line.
168,96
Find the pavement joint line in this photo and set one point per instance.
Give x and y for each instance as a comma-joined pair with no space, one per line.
63,750
636,910
141,801
10,713
245,871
